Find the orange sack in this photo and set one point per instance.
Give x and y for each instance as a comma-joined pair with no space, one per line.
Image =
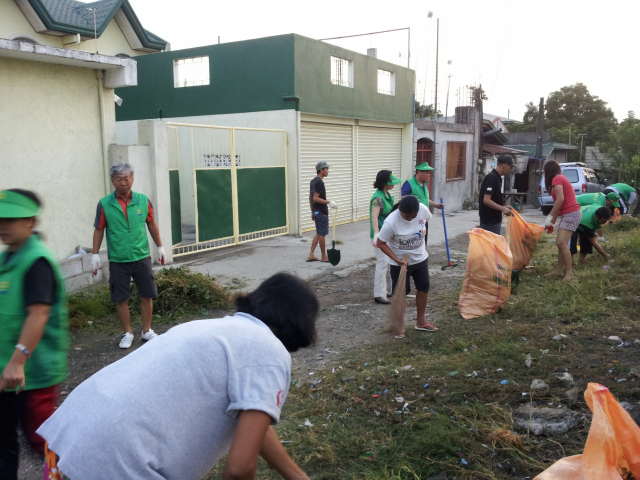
487,281
523,239
612,448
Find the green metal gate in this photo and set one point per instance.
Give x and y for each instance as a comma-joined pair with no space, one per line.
233,201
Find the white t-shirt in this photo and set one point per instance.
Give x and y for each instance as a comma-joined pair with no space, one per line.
169,409
403,236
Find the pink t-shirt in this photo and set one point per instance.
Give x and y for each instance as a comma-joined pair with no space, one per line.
570,203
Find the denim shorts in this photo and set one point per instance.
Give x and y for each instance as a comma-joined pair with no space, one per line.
322,224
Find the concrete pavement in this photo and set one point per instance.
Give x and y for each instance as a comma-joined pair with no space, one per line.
249,264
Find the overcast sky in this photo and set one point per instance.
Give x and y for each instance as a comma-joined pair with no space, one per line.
519,50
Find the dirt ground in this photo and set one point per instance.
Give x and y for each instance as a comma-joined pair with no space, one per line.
348,319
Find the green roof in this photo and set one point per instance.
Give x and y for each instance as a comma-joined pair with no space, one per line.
70,16
547,148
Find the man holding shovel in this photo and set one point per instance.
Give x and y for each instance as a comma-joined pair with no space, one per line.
319,212
491,202
126,215
419,188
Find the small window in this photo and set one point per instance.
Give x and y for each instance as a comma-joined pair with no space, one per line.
571,174
386,82
191,72
424,151
456,160
341,72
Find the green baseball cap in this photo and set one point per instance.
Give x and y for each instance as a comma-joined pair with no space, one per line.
423,166
15,205
614,197
393,180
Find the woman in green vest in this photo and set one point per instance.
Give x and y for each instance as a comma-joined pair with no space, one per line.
33,328
379,207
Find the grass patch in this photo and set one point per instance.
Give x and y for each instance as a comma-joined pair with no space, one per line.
180,292
453,407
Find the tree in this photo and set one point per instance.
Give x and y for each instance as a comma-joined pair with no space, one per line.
426,111
571,111
623,146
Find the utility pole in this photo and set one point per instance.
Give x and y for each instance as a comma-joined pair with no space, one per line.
446,108
581,135
95,27
540,129
435,108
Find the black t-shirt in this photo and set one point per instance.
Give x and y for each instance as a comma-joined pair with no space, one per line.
317,186
39,283
491,185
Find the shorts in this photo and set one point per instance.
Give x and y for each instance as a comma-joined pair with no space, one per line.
419,272
570,221
491,227
120,275
584,234
322,224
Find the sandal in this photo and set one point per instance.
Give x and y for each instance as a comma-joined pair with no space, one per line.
427,327
400,335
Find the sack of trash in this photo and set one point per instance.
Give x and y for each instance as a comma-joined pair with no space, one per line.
487,281
522,238
612,450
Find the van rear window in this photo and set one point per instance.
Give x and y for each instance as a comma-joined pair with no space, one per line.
571,174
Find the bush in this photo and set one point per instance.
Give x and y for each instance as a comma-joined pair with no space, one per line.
180,292
625,224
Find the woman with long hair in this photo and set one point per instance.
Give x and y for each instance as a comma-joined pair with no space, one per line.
565,207
379,207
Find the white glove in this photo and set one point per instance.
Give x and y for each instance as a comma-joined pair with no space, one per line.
548,221
601,239
96,264
332,204
375,240
161,255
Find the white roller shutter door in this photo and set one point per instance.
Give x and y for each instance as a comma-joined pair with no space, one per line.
333,144
378,149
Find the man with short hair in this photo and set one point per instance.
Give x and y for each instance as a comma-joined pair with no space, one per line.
491,202
319,212
593,218
418,187
124,213
611,200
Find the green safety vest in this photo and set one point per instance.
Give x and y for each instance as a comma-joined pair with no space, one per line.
587,199
47,364
419,191
127,240
387,202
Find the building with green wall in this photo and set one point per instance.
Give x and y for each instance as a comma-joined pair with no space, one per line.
352,110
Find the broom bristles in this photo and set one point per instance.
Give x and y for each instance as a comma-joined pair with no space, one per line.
395,321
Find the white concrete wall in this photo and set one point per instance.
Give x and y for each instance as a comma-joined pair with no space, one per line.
454,192
127,134
51,143
14,24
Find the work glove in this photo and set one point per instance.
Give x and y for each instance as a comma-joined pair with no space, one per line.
375,240
332,204
601,239
161,255
548,221
96,264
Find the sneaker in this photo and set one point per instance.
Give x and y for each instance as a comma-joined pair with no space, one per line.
149,335
127,340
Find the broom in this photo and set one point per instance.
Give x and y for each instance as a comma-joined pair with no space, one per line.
395,321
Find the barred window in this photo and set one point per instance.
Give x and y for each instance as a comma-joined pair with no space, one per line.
191,72
386,82
341,72
456,160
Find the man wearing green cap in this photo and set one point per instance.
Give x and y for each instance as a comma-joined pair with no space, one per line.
418,186
627,195
380,207
33,328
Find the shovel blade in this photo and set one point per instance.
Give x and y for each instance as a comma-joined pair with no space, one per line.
334,256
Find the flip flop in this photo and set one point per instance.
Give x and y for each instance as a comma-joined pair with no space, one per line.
400,335
312,260
423,328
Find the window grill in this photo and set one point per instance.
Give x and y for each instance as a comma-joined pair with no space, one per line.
341,72
191,72
456,160
386,82
424,152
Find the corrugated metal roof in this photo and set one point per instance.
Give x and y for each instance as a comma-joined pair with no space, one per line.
499,149
547,148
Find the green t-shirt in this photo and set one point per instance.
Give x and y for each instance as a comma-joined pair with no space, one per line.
625,190
589,217
587,199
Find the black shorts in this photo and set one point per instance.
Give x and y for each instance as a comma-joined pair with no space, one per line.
585,235
120,275
419,272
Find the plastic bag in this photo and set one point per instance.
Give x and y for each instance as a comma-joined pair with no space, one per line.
523,239
612,448
616,215
487,281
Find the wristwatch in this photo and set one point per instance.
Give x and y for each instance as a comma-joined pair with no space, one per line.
23,349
